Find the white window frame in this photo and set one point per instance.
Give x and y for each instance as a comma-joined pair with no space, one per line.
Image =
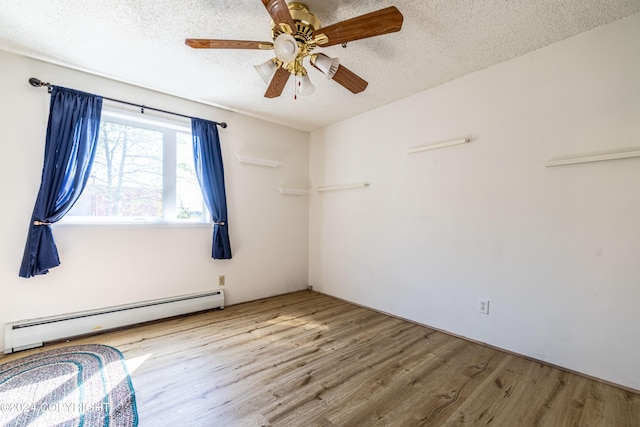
169,129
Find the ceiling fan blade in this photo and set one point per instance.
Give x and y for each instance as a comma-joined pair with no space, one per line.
383,21
278,82
350,80
280,14
227,44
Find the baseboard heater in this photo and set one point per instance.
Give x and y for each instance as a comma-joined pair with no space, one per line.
32,333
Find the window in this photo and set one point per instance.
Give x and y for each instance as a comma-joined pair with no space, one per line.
143,171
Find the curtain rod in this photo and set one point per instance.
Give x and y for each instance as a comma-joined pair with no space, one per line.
39,83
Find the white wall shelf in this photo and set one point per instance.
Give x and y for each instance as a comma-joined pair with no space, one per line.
436,146
592,158
260,161
343,186
293,191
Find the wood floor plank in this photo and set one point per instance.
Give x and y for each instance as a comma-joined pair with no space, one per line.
306,359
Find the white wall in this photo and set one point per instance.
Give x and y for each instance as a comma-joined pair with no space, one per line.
556,250
108,265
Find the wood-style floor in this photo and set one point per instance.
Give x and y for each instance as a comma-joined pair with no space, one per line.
306,359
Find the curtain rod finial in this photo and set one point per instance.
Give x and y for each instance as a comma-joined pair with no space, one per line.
39,83
223,125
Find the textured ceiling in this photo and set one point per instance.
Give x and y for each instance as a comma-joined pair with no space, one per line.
142,42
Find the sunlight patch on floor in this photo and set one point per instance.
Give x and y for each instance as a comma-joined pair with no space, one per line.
134,363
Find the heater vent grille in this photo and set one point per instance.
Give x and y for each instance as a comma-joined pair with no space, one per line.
31,333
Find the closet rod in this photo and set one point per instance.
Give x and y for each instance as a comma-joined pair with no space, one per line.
39,83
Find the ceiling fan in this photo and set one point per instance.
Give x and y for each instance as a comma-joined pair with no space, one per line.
296,32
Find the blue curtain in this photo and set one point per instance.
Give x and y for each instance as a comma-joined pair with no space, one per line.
72,134
210,172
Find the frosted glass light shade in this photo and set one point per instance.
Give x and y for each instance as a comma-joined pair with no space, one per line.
304,86
266,70
285,47
326,64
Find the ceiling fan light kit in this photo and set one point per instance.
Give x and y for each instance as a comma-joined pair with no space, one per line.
285,47
266,70
296,32
304,86
327,65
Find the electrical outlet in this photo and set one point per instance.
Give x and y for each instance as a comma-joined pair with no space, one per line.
483,305
221,280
